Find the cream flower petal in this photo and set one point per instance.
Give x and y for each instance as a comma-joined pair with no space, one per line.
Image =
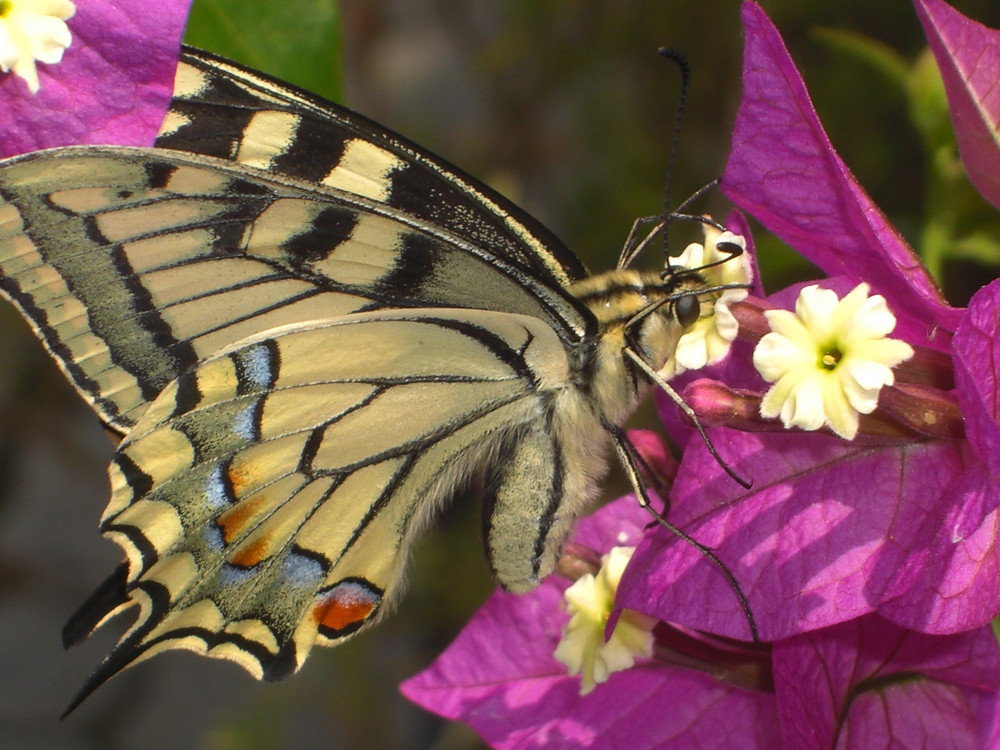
777,354
691,352
862,400
843,420
804,406
8,48
770,405
590,601
829,360
33,30
24,66
845,311
61,9
735,270
867,374
49,37
816,308
870,321
787,324
889,352
726,324
693,256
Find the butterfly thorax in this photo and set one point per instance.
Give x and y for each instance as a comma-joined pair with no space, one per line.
634,309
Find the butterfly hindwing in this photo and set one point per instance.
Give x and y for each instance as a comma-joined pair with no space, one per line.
268,497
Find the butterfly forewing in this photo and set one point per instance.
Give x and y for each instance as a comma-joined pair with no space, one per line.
225,110
133,265
311,335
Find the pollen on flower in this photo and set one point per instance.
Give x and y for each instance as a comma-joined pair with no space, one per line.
33,30
829,359
707,341
590,601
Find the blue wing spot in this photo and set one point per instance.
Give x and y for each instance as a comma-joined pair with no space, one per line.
256,365
216,491
301,571
245,425
211,536
232,575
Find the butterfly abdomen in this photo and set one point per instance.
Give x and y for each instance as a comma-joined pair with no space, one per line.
552,473
547,479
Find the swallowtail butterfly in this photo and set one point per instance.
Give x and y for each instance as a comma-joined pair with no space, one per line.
310,334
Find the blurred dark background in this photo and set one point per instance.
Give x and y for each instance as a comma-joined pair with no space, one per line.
566,108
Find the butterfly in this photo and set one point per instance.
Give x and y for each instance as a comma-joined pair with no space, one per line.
309,335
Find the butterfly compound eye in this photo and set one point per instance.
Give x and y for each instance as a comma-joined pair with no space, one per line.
688,310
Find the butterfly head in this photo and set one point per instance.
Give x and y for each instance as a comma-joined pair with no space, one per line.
675,305
652,310
673,320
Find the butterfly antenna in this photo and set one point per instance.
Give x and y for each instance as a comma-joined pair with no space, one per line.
633,246
685,69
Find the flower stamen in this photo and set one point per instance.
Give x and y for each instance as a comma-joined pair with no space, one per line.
831,359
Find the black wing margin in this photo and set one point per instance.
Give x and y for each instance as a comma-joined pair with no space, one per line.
225,110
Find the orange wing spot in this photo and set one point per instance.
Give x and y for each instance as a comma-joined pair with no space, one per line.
251,553
233,522
241,477
345,607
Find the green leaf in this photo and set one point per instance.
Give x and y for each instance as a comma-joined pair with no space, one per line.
929,104
295,40
978,247
874,53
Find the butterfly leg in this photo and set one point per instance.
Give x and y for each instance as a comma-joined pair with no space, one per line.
630,460
663,385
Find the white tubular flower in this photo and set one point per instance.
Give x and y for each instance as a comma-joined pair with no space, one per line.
33,30
590,601
707,341
829,359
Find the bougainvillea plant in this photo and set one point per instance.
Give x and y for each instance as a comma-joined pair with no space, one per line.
866,547
90,72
